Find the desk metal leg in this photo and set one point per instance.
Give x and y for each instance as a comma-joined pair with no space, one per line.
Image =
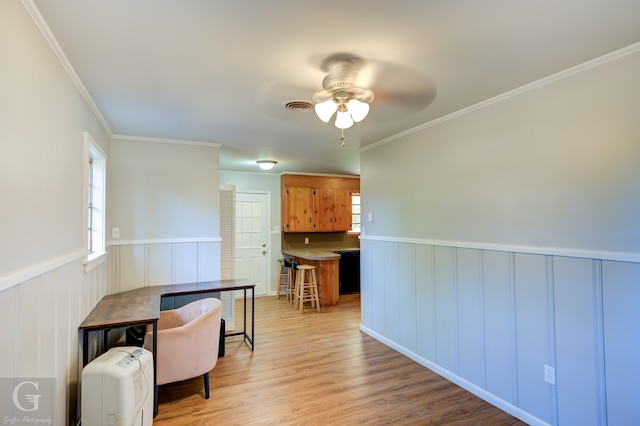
155,368
244,331
246,335
244,317
105,340
253,316
85,347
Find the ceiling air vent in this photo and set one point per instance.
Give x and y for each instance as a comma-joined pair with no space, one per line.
298,106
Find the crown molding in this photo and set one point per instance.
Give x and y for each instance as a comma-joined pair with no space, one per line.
612,56
57,50
169,141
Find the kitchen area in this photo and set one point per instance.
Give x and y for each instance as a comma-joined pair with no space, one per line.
319,217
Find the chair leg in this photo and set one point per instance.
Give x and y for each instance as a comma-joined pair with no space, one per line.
206,385
316,296
279,279
292,285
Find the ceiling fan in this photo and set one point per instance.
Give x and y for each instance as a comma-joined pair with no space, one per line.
341,96
354,88
348,90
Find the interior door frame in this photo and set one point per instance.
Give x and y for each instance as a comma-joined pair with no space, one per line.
267,232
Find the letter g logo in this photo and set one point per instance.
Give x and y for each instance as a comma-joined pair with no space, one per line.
33,399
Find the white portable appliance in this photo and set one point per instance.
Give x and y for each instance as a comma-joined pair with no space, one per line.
117,388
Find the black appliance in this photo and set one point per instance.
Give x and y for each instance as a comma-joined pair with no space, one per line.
349,271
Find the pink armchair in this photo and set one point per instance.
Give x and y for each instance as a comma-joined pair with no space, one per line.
188,340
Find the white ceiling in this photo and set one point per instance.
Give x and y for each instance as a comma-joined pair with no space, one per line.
219,71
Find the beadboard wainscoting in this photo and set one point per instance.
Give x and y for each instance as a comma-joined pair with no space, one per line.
40,318
490,320
144,263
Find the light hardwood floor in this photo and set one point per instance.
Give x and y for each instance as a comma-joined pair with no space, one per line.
319,369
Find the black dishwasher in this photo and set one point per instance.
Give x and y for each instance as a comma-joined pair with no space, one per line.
349,271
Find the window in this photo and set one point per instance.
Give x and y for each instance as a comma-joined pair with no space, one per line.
90,213
355,213
95,179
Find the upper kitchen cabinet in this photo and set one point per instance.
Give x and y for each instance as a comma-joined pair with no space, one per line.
332,209
317,203
297,209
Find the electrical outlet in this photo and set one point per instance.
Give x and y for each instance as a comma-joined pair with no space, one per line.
306,240
550,375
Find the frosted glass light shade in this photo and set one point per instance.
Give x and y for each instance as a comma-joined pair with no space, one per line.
343,120
358,110
266,164
325,109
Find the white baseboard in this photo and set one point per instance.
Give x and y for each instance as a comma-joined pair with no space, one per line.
463,383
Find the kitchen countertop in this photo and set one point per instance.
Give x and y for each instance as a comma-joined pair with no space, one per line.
325,253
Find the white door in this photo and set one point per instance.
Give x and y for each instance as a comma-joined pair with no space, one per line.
252,248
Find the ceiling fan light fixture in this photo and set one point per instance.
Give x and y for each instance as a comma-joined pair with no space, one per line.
266,164
326,109
343,119
342,96
357,109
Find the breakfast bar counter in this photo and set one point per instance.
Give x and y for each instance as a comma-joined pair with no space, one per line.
327,267
311,254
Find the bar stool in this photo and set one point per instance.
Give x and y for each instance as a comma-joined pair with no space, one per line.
292,280
306,289
285,282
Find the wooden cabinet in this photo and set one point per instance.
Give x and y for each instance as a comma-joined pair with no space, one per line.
317,203
324,211
342,206
297,209
332,209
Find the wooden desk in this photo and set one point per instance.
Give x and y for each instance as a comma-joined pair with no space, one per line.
142,307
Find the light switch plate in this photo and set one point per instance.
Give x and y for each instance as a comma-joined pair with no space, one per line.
115,232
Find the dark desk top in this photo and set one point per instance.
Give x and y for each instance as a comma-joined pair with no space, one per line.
142,305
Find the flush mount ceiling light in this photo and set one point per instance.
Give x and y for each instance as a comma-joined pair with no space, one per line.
342,97
266,164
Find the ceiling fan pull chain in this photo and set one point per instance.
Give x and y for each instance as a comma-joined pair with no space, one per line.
342,144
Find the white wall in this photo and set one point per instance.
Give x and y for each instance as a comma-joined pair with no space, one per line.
262,183
555,166
44,292
164,190
518,246
164,199
42,118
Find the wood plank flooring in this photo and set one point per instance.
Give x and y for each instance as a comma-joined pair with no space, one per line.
319,369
